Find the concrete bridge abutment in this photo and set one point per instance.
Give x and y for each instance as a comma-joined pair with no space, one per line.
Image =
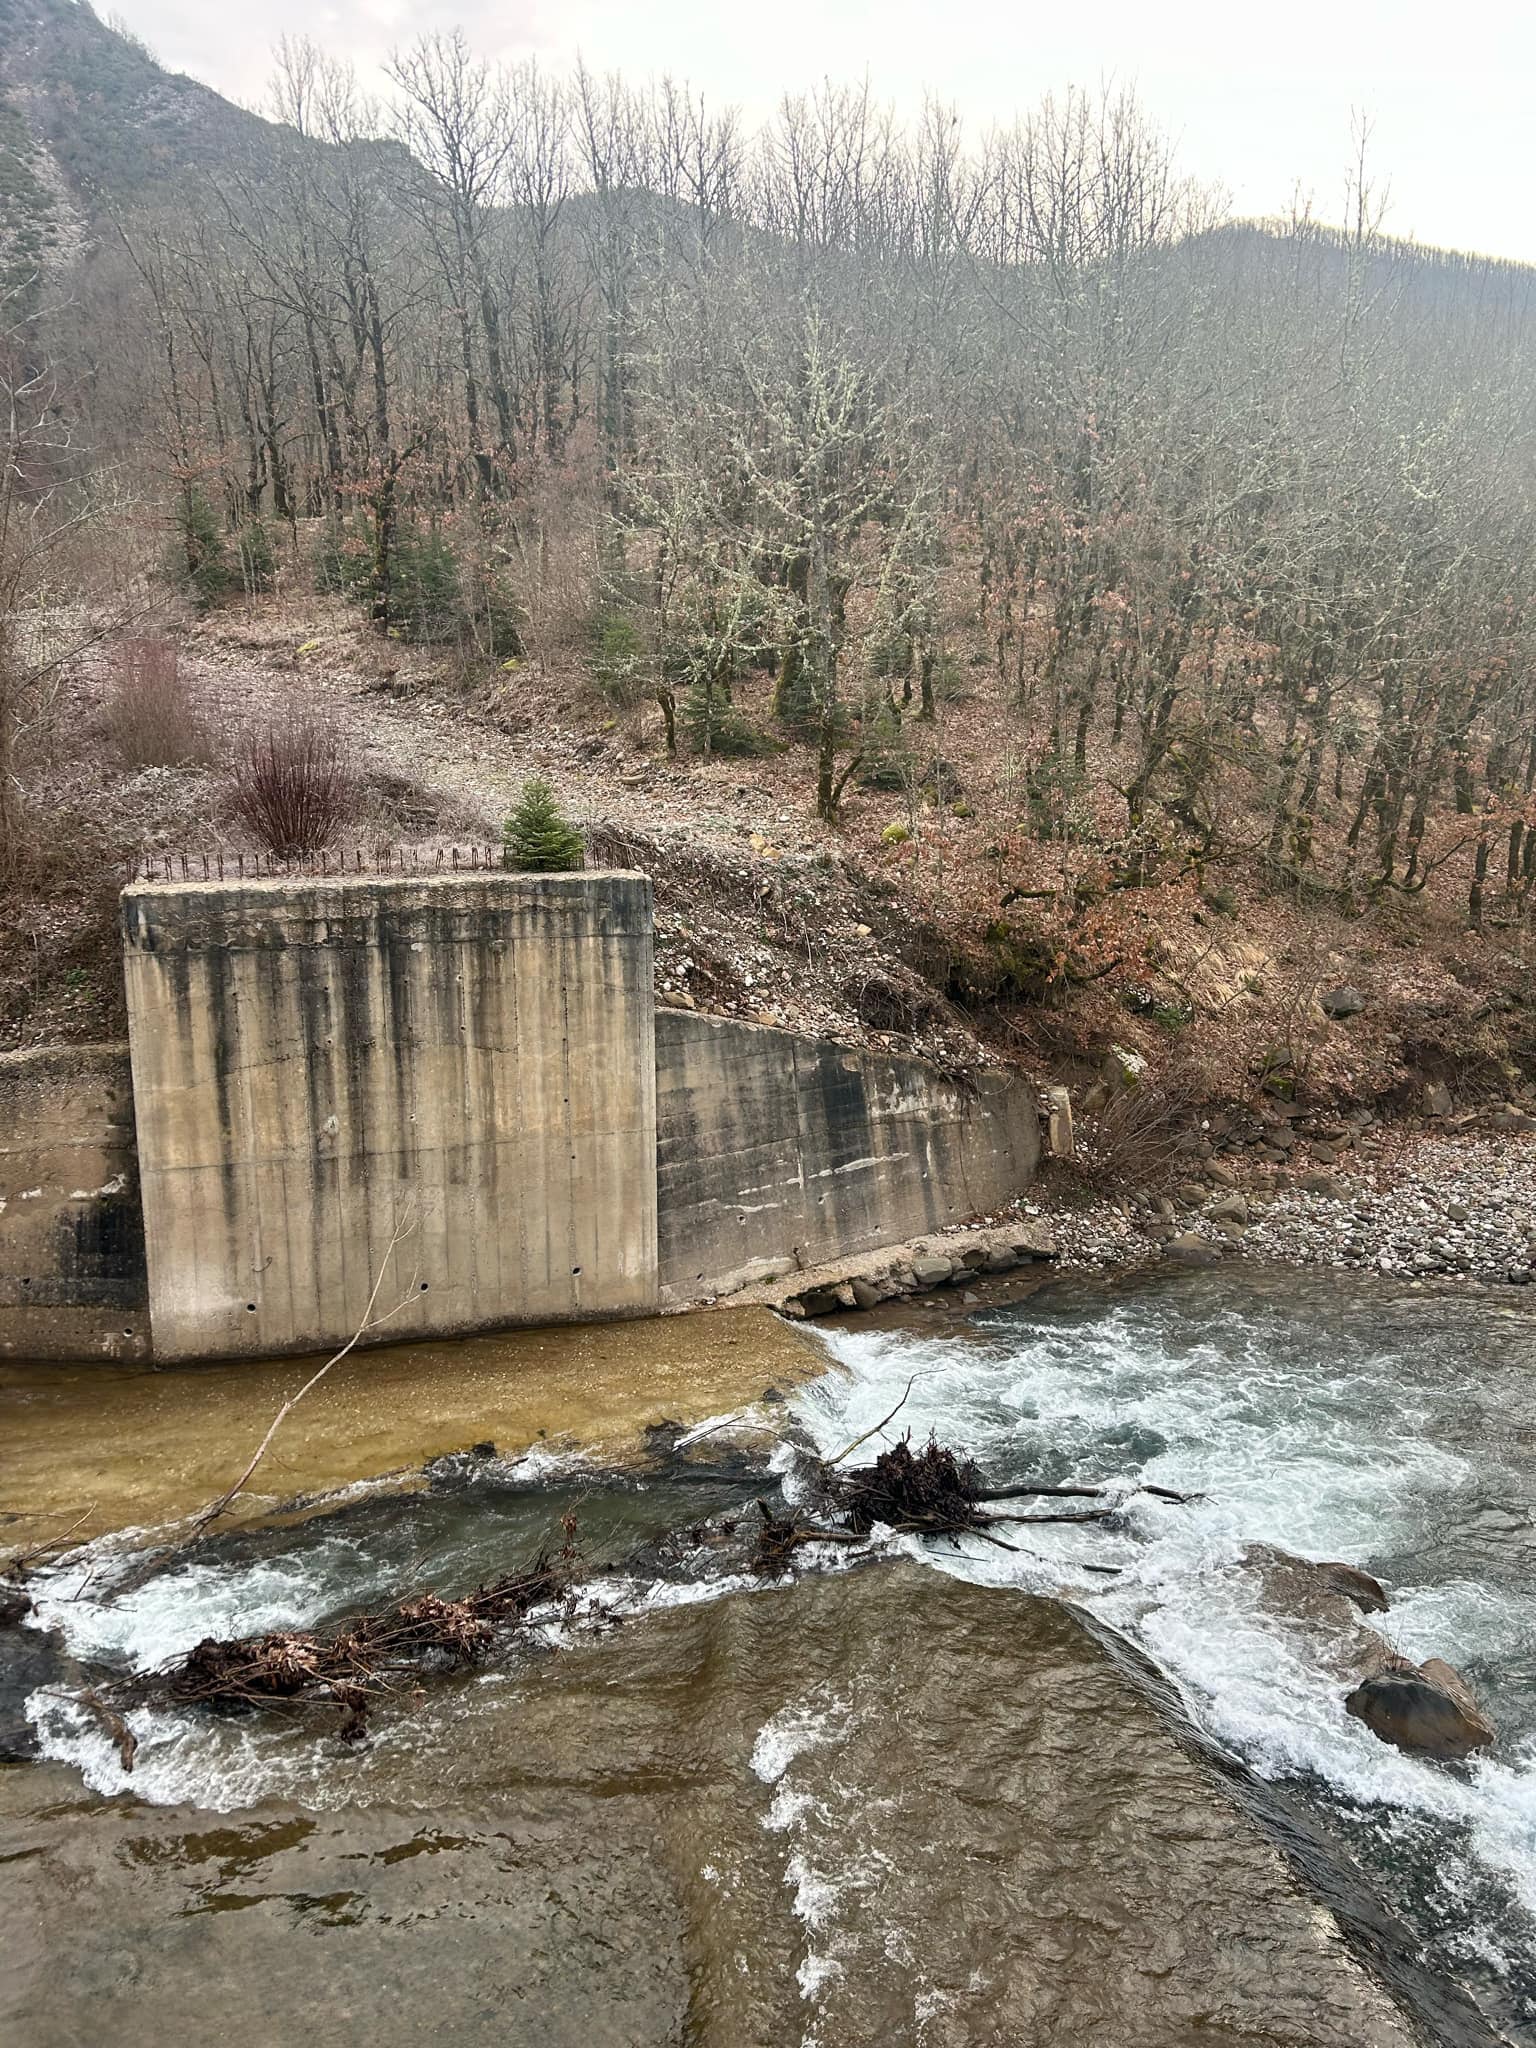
428,1102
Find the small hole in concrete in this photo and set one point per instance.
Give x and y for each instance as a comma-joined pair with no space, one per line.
251,1306
574,1271
424,1286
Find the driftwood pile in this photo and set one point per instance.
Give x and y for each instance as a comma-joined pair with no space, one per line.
368,1658
388,1653
930,1492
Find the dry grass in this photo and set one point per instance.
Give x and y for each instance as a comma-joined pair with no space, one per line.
1134,1142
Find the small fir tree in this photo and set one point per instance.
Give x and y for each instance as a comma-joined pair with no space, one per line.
203,563
538,838
258,562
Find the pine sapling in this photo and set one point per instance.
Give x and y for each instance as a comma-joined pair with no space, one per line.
538,838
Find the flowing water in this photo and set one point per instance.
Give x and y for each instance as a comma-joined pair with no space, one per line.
915,1805
1336,1419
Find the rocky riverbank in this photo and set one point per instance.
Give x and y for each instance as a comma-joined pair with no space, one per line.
1451,1201
1420,1203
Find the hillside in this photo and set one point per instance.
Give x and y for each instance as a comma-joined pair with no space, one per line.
1002,637
89,120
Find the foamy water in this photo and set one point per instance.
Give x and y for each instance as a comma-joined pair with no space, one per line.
1333,1419
1389,1432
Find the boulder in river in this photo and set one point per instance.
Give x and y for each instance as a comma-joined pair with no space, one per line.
931,1269
1427,1708
1310,1589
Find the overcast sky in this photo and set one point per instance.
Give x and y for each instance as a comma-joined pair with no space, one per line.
1258,97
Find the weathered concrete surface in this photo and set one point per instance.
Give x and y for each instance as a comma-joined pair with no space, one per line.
775,1151
71,1238
322,1064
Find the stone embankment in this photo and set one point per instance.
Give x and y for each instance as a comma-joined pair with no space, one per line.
945,1259
1453,1200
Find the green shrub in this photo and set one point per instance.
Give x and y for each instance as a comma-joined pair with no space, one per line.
885,760
538,838
618,655
949,679
433,597
889,656
490,610
426,603
344,559
258,563
201,563
715,726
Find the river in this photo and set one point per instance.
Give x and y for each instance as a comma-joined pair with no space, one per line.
922,1803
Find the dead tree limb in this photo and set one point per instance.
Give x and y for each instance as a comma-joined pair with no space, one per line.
112,1722
849,1449
17,1563
1053,1492
370,1321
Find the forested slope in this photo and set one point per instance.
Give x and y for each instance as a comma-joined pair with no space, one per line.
1078,564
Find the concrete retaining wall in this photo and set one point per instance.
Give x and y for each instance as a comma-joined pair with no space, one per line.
71,1237
774,1151
319,1065
477,1058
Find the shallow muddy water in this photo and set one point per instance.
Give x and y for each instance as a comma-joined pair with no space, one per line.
877,1808
891,1804
113,1445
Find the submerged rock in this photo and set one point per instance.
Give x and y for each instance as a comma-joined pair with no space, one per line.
957,1776
1427,1708
1305,1588
31,1660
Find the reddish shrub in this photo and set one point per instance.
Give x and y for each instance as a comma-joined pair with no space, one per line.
151,721
294,786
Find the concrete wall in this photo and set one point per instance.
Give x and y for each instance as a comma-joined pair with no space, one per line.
71,1237
774,1150
318,1064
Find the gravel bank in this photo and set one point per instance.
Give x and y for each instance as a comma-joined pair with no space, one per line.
1419,1205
